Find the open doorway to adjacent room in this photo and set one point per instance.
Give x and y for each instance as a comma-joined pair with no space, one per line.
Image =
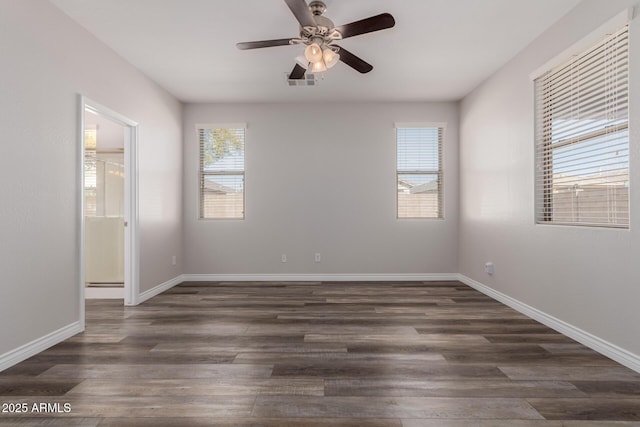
109,205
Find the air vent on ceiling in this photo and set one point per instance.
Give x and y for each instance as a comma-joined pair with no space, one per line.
309,79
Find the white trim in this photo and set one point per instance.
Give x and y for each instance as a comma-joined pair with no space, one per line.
107,112
80,201
156,290
609,27
132,209
397,125
604,347
427,277
38,345
104,293
131,214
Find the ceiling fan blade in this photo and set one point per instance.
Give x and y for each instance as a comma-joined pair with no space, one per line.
297,73
301,11
367,25
263,43
353,61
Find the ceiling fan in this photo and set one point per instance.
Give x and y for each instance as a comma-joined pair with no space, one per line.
319,34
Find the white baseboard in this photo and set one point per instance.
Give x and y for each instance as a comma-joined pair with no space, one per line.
620,355
317,277
160,288
104,293
24,352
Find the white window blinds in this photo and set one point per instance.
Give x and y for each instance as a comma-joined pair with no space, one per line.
221,172
582,138
419,172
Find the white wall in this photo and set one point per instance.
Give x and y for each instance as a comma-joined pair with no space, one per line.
587,277
320,178
46,61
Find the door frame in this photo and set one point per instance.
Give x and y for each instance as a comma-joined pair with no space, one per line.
131,208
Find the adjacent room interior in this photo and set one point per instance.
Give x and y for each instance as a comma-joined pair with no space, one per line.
104,200
410,213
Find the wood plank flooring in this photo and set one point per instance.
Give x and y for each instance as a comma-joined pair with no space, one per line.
411,354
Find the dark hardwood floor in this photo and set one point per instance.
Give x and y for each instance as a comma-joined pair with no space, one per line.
409,354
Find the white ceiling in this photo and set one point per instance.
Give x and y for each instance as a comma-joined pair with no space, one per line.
438,50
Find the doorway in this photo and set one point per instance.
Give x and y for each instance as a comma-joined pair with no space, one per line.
109,260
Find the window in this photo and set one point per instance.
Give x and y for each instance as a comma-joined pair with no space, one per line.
221,171
582,138
419,171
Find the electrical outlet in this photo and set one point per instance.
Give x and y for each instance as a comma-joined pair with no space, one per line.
488,268
318,257
284,258
174,260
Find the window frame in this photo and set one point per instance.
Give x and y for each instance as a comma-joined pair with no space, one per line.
441,128
546,145
202,174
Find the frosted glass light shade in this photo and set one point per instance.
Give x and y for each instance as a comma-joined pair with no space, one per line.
330,57
318,67
313,53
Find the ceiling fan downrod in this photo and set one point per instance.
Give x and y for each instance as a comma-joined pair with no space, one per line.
317,7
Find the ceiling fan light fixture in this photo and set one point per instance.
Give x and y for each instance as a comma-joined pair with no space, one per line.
313,53
330,57
318,33
318,67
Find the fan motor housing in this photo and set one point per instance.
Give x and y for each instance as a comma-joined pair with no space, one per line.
324,24
323,21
